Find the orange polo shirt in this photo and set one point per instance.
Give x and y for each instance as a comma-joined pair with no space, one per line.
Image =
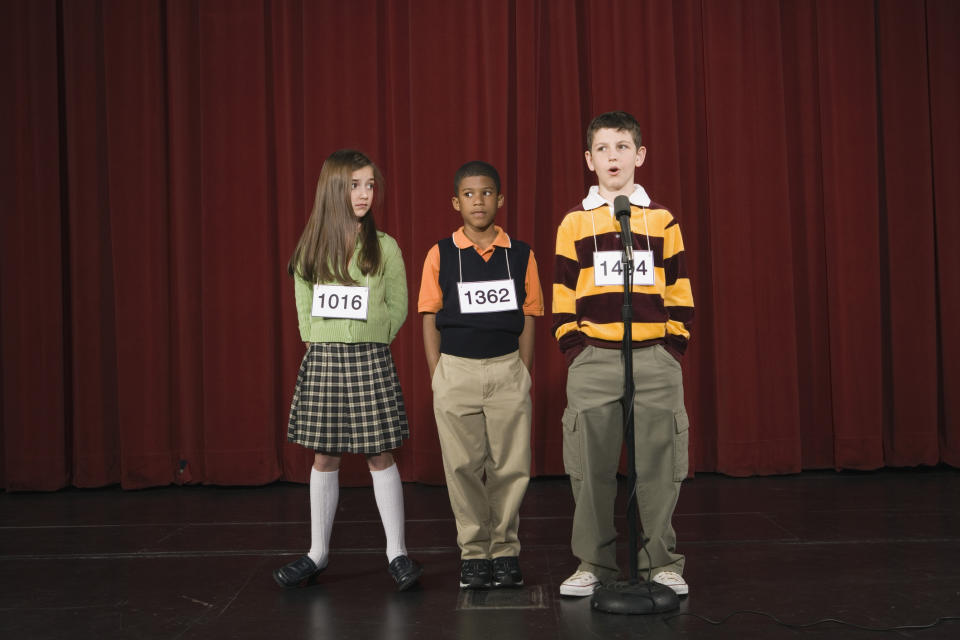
431,297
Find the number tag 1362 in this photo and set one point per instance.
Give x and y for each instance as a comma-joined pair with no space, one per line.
338,301
491,295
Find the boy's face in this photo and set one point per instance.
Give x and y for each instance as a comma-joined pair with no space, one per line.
613,157
477,201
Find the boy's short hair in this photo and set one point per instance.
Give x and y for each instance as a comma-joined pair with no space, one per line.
476,168
617,120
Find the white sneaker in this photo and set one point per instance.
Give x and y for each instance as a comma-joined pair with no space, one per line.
582,583
673,580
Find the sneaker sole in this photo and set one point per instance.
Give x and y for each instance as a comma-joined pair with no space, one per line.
680,590
468,585
507,585
577,592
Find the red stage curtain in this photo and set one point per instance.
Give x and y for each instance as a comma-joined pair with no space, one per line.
159,161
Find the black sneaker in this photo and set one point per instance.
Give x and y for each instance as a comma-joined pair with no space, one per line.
295,573
405,571
506,572
476,574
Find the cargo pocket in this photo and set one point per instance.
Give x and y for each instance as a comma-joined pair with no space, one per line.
571,444
681,442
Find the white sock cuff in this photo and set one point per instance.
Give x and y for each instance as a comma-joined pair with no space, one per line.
385,475
323,476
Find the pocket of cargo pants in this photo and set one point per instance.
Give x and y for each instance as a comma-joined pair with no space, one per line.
681,443
571,444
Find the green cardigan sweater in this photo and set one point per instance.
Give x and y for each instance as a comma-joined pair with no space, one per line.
387,305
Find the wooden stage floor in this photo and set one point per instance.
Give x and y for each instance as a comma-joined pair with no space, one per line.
875,549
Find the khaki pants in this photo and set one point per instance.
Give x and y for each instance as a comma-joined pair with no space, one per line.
482,407
592,440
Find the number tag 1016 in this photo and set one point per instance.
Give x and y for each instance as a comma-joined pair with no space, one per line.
491,295
338,301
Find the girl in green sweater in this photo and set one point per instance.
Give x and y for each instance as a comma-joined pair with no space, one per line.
351,293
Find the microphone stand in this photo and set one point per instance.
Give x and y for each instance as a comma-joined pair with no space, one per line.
631,596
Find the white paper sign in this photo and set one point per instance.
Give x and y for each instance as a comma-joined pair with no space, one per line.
487,296
608,268
338,301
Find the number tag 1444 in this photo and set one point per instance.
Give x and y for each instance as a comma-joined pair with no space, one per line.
608,269
490,295
338,301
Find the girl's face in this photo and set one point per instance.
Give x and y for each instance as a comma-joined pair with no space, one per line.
361,190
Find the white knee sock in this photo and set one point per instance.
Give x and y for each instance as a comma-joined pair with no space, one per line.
324,494
388,491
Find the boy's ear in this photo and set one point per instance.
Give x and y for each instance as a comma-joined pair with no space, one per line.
589,158
499,201
641,155
456,203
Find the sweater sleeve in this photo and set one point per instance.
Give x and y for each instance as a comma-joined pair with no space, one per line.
395,281
303,291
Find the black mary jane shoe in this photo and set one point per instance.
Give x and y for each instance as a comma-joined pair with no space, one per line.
296,573
405,571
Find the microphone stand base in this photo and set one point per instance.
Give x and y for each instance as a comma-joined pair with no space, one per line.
636,598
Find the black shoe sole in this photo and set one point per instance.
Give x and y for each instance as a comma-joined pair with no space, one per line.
410,580
293,585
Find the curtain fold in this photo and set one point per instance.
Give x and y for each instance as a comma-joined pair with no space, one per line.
160,160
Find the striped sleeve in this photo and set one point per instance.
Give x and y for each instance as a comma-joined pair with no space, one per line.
678,295
566,274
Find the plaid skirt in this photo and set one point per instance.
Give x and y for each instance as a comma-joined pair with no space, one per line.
348,400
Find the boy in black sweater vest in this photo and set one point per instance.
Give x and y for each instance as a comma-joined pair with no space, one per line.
479,293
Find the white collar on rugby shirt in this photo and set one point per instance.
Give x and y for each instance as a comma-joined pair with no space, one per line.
594,200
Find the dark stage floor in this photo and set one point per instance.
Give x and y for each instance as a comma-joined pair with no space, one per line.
876,549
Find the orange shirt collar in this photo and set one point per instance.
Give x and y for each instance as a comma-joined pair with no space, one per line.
463,242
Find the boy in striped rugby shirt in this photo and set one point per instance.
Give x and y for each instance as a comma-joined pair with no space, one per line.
587,301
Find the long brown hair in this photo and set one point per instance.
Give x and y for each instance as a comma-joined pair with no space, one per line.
327,242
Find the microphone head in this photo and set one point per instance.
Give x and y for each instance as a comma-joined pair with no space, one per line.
621,206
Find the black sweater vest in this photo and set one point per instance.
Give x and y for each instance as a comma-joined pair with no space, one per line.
480,335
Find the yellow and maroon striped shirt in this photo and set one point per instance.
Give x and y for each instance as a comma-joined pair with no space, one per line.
584,313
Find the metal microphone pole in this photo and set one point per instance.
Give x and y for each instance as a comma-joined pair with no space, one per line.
631,596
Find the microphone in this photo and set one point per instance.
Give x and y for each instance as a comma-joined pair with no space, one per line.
621,208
